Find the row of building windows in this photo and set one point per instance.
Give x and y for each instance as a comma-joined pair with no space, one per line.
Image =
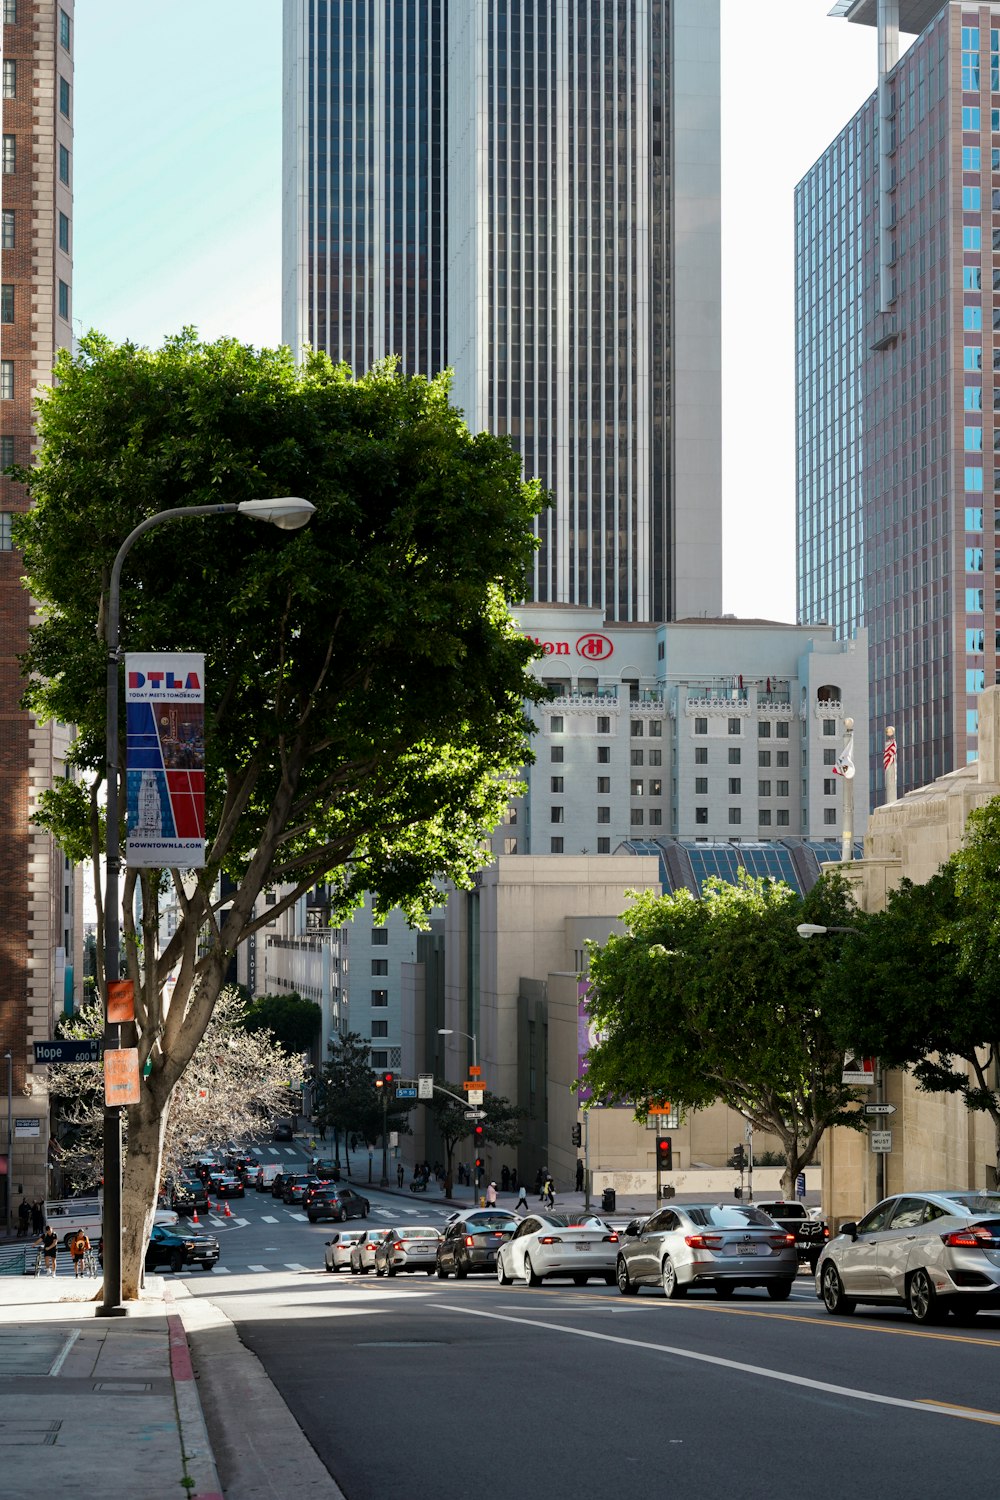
638,727
10,8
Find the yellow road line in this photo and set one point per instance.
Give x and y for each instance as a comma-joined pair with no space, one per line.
974,1413
846,1322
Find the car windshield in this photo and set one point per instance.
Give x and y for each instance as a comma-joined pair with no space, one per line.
726,1215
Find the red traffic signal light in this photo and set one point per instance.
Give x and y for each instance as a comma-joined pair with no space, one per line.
479,1130
387,1077
664,1153
479,1164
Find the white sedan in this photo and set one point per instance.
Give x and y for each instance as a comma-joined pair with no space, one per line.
337,1252
576,1246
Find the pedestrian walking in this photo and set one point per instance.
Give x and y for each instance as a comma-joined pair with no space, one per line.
549,1192
491,1195
23,1219
521,1202
400,1174
79,1248
49,1241
37,1218
579,1174
513,1179
540,1183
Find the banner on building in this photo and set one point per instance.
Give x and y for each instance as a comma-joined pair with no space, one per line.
165,759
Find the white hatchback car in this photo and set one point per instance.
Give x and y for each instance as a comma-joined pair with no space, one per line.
936,1252
576,1246
337,1252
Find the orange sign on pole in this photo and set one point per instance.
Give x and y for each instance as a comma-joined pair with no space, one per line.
121,1076
660,1109
121,1000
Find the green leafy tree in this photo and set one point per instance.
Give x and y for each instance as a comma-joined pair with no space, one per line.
501,1119
920,982
365,683
718,999
350,1100
291,1020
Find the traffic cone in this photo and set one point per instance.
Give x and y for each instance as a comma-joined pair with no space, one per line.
228,1213
194,1217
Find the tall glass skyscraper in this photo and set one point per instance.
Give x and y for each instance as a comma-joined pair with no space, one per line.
898,304
528,191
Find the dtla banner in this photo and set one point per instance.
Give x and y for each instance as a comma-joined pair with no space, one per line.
165,759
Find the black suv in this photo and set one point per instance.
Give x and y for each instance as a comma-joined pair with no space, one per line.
187,1195
338,1203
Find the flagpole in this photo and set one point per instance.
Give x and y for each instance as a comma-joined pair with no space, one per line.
847,836
889,756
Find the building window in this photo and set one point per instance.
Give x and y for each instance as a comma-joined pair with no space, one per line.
636,817
735,816
701,786
64,96
829,815
64,300
64,164
603,786
781,758
782,788
9,78
510,846
656,788
556,724
10,12
782,728
636,757
972,319
603,726
555,846
604,846
555,783
6,451
7,302
829,786
972,237
701,755
556,754
735,785
654,758
636,789
734,756
380,997
380,937
764,817
603,755
735,726
656,728
9,153
380,966
655,815
763,789
64,31
829,726
380,1028
638,729
781,817
64,231
555,814
764,729
971,200
6,380
604,815
701,726
7,222
701,814
763,757
380,1059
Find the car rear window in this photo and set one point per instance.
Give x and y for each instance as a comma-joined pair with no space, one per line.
977,1203
783,1210
495,1221
727,1216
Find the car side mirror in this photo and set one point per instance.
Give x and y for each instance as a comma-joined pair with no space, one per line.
851,1228
631,1230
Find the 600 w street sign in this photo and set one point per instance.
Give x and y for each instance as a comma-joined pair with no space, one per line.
68,1052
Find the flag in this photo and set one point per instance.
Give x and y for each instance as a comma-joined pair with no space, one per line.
889,755
845,760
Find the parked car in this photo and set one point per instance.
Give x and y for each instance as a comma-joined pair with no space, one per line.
936,1252
337,1252
722,1245
363,1253
283,1129
228,1185
577,1246
470,1243
176,1250
410,1248
188,1194
339,1203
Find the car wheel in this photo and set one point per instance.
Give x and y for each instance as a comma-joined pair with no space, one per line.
354,1269
531,1276
965,1314
672,1288
725,1290
502,1276
378,1271
208,1265
813,1263
579,1281
832,1291
342,1216
626,1285
176,1261
312,1218
461,1271
780,1291
328,1266
442,1274
922,1300
362,1270
390,1270
609,1279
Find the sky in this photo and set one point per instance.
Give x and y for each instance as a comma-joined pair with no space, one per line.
177,211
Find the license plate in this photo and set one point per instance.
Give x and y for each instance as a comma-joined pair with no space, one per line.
583,1245
751,1249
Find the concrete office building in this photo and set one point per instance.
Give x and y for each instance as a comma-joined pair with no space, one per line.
531,196
698,729
40,897
898,316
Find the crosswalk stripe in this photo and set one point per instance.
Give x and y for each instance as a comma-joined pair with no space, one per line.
293,1265
256,1268
241,1222
268,1219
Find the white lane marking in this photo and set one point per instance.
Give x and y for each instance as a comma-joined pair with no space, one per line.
290,1151
241,1222
268,1219
256,1268
217,1219
222,1271
60,1358
273,1150
302,1218
851,1393
293,1265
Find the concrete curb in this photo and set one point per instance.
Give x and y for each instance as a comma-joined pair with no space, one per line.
199,1460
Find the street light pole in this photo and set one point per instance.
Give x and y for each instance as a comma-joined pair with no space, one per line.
288,513
9,1058
451,1031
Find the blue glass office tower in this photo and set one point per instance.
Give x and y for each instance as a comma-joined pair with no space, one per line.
528,191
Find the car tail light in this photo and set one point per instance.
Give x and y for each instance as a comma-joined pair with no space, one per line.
550,1239
470,1240
781,1241
973,1237
826,1231
611,1238
703,1241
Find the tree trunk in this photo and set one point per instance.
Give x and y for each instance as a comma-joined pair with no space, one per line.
795,1162
140,1180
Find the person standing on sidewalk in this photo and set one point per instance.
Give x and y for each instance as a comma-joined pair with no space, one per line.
49,1242
400,1174
79,1246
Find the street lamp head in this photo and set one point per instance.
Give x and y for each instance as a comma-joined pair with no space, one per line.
810,929
288,512
445,1031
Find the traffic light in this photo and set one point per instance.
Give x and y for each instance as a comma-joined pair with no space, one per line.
664,1153
740,1157
577,1135
479,1163
479,1134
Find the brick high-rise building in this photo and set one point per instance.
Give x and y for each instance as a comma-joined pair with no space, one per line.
39,907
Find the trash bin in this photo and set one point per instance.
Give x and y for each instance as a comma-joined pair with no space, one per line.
608,1201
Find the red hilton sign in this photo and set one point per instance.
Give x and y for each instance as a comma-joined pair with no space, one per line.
592,647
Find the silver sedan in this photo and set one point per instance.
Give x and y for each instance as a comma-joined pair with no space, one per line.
722,1245
409,1247
546,1244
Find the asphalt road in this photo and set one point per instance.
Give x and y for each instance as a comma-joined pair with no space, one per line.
433,1390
